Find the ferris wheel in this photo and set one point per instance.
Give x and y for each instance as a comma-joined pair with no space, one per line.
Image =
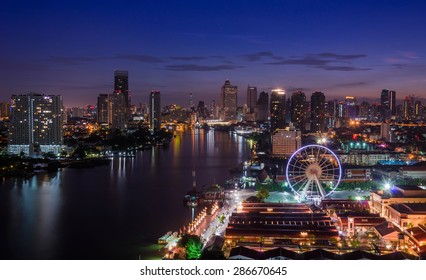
313,172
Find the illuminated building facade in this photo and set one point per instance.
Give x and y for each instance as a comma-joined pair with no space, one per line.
285,142
298,110
251,98
102,108
228,100
36,124
317,112
277,109
119,101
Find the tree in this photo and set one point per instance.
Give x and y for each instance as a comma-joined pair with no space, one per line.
192,245
262,194
193,249
222,218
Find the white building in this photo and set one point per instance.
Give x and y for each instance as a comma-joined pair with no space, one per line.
285,142
36,124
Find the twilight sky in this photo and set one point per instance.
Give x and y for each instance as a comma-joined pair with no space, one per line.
342,48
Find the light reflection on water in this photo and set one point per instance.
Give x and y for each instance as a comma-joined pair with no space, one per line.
110,212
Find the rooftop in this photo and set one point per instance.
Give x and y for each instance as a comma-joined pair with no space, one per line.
386,228
409,208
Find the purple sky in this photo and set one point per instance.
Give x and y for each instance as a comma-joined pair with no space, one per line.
350,48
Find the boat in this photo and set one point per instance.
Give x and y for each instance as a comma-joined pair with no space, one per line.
163,239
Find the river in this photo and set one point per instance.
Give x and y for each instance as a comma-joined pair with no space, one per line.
116,211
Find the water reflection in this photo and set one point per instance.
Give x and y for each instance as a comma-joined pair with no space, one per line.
107,212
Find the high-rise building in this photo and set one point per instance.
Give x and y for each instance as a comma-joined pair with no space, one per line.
350,103
317,112
4,110
155,111
121,85
251,98
36,124
365,111
285,142
417,108
298,110
118,113
262,107
277,109
384,104
119,106
229,101
331,113
392,103
406,108
102,108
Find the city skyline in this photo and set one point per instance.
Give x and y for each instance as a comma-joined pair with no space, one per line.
340,49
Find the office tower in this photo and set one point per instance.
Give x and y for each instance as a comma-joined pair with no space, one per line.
251,99
406,108
330,113
298,110
365,111
285,142
119,106
155,111
121,85
102,108
277,109
392,103
118,113
4,110
350,103
36,124
262,107
228,101
317,112
417,108
202,110
384,104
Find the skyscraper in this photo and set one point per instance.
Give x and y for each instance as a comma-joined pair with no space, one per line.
384,104
262,107
4,110
119,101
277,109
121,85
317,112
298,110
102,108
392,103
350,103
406,109
36,124
228,101
251,98
155,111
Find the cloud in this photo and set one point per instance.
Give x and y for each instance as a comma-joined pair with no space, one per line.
200,68
77,60
73,60
308,60
324,61
343,68
139,58
341,56
257,56
187,58
352,84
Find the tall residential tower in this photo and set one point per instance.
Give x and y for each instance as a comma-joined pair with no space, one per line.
36,124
